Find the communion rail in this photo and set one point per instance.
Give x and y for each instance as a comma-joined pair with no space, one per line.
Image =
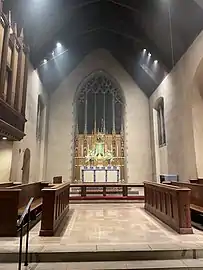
170,204
106,191
54,208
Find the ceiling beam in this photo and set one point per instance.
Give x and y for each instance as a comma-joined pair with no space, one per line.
121,34
124,6
90,2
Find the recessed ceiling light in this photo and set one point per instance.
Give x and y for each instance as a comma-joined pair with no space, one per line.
45,61
149,54
58,45
144,50
4,138
156,61
53,53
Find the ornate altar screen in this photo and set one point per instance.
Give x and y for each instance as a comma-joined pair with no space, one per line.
99,134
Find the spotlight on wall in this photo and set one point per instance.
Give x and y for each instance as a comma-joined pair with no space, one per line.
4,138
58,45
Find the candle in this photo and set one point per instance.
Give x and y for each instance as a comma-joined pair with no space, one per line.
117,151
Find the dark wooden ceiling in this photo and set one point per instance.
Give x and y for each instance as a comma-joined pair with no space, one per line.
166,28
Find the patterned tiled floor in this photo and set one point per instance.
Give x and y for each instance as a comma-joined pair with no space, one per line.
94,227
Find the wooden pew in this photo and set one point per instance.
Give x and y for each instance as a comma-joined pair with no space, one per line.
197,181
194,181
196,202
8,184
9,211
13,200
170,204
54,209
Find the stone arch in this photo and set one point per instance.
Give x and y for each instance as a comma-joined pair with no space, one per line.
197,112
26,166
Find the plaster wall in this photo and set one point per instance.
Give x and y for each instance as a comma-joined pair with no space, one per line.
183,115
37,165
5,160
61,121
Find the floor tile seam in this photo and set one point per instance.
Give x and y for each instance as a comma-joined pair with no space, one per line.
157,223
72,221
194,260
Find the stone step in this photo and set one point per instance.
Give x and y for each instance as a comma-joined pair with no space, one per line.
63,254
141,200
121,265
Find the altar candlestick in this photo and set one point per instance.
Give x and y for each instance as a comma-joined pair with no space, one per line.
85,131
81,150
117,151
113,114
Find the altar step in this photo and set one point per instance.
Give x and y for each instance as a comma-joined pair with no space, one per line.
100,198
55,254
138,265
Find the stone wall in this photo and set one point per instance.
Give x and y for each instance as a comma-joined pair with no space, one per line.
61,123
183,115
38,152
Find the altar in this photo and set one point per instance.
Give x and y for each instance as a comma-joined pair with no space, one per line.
94,174
99,158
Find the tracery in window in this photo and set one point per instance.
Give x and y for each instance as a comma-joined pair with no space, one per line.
99,105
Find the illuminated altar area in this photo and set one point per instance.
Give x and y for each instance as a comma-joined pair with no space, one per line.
99,155
99,158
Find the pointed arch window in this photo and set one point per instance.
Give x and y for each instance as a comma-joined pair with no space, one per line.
161,122
99,105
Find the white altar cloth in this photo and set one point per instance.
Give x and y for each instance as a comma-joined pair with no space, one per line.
100,174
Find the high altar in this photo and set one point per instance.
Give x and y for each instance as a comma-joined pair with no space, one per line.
99,157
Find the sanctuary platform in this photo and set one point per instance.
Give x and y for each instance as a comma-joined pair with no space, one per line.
103,232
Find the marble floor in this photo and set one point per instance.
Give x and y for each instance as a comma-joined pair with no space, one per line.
98,227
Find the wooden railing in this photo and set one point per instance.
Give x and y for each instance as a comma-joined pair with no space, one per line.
170,204
6,184
55,207
105,190
28,191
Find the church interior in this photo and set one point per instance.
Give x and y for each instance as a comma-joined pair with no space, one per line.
101,134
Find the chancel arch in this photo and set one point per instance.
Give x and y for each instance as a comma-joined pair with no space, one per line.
99,126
